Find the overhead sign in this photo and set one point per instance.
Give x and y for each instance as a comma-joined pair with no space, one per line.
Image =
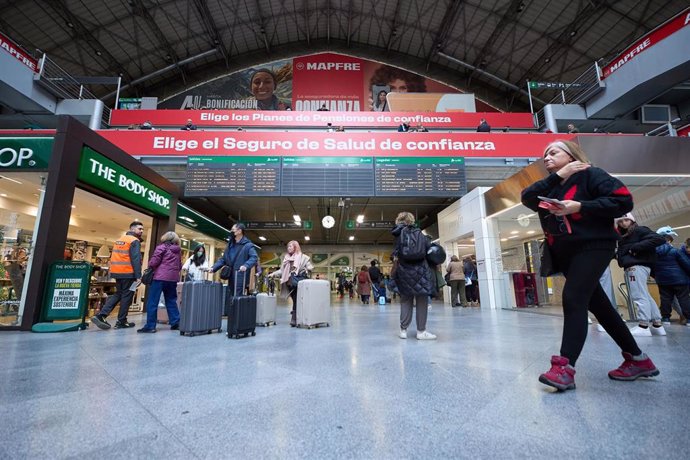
553,85
16,52
376,225
110,177
294,119
272,225
25,153
191,219
233,175
210,143
662,32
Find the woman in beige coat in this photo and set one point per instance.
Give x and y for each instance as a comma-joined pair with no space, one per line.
457,282
295,266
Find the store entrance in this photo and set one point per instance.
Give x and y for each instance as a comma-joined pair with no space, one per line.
95,224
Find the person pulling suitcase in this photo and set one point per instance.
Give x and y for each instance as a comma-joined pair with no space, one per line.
296,266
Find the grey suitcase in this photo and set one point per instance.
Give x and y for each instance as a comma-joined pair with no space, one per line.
313,303
202,311
265,309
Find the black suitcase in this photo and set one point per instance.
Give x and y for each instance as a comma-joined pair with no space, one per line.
242,314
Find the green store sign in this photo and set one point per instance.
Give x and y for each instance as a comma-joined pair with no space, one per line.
110,177
192,219
25,153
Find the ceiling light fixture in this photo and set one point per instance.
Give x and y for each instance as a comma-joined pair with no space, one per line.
10,179
103,252
504,239
351,238
297,218
74,207
262,238
307,238
360,218
3,194
514,232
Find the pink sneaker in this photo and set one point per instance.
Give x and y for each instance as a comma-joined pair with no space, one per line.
561,375
632,369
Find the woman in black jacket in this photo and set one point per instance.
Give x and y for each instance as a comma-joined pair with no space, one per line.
579,231
637,255
415,280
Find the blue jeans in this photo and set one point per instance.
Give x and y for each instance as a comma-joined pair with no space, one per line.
169,290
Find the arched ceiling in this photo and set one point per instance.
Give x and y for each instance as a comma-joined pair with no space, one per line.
515,40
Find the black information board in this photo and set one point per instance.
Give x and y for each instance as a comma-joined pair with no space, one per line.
420,176
328,176
233,176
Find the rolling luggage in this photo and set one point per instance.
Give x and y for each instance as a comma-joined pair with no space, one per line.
265,309
313,303
242,314
202,307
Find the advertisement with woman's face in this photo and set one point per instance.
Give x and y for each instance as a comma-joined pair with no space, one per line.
340,83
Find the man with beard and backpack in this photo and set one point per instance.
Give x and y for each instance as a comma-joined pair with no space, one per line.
414,278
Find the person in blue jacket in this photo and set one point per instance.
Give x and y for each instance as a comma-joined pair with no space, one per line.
672,275
240,255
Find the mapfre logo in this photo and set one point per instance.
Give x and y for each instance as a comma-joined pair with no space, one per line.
328,66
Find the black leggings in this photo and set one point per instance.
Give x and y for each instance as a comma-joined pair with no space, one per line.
582,290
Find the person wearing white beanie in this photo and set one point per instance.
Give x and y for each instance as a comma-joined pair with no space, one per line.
637,255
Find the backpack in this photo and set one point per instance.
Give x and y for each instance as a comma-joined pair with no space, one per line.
412,245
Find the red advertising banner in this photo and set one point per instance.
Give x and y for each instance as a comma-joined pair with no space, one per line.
18,53
652,38
343,83
184,143
330,80
289,119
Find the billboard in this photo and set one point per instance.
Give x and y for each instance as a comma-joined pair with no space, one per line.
325,81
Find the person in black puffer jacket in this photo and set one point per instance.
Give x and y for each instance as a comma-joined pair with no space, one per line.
415,281
577,204
636,255
672,275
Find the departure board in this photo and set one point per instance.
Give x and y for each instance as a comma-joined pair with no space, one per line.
420,176
233,176
328,176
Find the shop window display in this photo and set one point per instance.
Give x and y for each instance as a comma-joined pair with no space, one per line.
20,199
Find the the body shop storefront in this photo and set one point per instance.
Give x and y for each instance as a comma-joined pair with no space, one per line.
70,197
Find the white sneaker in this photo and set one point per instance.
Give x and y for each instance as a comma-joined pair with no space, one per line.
638,331
600,328
425,335
658,330
403,333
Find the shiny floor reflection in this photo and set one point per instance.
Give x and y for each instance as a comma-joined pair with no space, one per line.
352,390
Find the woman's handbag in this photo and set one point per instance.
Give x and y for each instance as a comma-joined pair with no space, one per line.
295,278
147,276
547,267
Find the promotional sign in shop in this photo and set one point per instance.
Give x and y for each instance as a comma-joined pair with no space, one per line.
66,296
106,175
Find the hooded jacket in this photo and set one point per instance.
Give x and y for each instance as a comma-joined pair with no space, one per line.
412,278
638,247
671,268
166,262
245,252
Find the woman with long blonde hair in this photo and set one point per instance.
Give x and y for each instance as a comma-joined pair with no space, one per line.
295,267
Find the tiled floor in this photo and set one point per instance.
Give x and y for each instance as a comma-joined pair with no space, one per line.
352,390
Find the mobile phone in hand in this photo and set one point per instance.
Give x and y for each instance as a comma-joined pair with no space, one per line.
553,201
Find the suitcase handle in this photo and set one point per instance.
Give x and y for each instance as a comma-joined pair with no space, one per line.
244,280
